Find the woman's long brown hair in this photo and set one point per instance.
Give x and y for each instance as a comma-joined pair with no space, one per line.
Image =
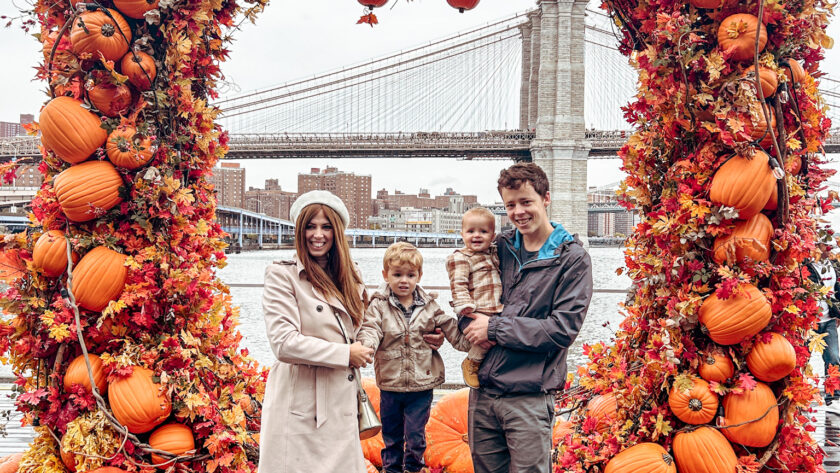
339,279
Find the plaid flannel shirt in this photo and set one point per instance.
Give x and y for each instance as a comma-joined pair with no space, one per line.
475,281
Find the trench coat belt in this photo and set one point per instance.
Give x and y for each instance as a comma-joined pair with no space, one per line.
321,396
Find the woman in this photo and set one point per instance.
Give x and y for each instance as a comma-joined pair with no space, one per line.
309,419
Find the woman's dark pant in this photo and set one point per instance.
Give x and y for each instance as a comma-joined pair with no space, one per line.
404,417
831,354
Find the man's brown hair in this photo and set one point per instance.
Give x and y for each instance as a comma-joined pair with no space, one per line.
520,173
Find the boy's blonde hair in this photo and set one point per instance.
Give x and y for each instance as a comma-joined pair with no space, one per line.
403,252
479,212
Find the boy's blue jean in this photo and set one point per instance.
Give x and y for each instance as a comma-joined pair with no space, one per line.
831,354
404,417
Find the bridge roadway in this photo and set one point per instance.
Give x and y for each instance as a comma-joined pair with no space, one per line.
515,145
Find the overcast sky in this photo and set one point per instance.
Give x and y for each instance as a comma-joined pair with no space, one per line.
298,39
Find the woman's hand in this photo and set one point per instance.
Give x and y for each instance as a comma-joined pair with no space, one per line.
360,355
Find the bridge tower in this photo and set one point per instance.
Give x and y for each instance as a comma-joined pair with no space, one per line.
553,58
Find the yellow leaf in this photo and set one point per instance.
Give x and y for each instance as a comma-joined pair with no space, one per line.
792,309
60,332
817,342
202,227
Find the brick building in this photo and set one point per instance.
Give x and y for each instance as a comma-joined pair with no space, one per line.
229,183
354,190
608,224
450,200
9,129
272,201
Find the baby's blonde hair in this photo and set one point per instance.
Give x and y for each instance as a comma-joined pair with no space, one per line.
403,253
479,212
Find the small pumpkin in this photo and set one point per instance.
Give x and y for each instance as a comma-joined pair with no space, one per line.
733,320
794,72
446,434
50,253
560,430
67,458
716,366
749,241
135,8
96,32
99,278
767,77
604,409
757,410
140,69
736,35
793,164
773,201
692,401
10,463
756,126
645,457
704,450
87,190
69,130
771,360
77,373
744,183
127,149
112,100
138,402
173,438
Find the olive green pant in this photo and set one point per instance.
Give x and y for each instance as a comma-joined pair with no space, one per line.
510,433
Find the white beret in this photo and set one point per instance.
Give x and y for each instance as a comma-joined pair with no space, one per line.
320,197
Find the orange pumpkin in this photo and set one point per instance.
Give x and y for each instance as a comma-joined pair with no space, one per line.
773,360
88,190
137,401
730,321
604,409
736,35
372,447
794,72
77,373
793,164
446,434
692,401
743,183
126,149
773,201
561,429
69,130
67,458
749,241
95,32
767,77
704,450
644,457
758,130
10,463
140,69
135,8
99,278
716,366
750,406
50,253
173,438
112,100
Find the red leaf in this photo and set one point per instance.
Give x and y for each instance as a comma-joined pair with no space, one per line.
747,382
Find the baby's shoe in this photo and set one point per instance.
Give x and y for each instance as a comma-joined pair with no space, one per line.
469,369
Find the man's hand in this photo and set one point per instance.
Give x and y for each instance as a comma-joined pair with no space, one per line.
434,339
476,331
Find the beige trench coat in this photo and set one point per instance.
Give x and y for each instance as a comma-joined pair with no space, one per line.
309,417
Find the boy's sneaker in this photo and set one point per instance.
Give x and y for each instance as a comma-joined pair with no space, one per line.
469,369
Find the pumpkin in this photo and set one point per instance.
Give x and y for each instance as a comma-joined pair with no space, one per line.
704,450
773,201
10,463
67,458
126,149
757,130
137,401
140,69
707,4
446,434
794,72
603,408
69,130
77,373
99,278
173,438
372,447
49,254
750,406
95,32
730,321
793,164
692,401
767,77
112,100
716,366
135,8
772,360
749,241
736,35
86,191
560,430
462,5
644,457
743,183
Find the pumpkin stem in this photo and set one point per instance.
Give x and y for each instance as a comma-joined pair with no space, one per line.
668,459
695,404
108,30
465,438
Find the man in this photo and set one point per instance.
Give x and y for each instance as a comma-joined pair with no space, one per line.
822,271
546,288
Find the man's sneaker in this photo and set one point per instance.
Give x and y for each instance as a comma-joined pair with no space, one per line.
834,408
469,369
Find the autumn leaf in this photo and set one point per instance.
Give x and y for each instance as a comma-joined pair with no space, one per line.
746,382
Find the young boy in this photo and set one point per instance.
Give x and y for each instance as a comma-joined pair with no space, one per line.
474,279
407,368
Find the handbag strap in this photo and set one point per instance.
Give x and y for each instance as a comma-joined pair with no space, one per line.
362,393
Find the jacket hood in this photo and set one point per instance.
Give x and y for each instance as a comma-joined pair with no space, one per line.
557,238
